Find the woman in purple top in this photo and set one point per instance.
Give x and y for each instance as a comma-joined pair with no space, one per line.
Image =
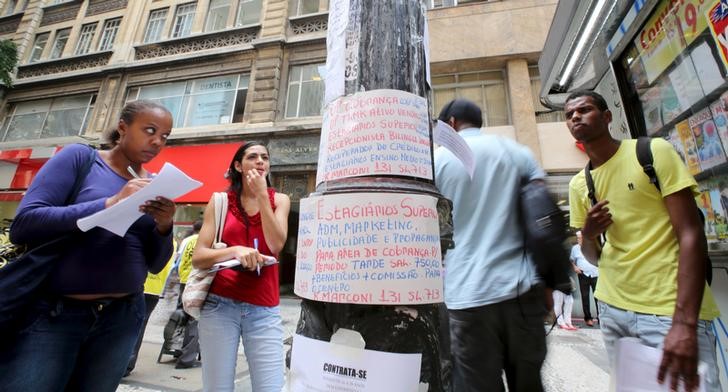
80,335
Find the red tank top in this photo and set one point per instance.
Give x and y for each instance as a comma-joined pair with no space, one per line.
247,286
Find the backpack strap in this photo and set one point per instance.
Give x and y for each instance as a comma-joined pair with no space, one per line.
592,195
644,156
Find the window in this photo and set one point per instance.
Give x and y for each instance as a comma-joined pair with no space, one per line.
248,12
56,117
108,34
59,43
85,38
155,25
217,15
38,47
9,8
207,101
304,7
305,91
543,114
487,89
183,20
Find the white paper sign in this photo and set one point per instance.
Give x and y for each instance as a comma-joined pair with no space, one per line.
447,137
369,248
378,132
318,366
336,50
170,183
637,366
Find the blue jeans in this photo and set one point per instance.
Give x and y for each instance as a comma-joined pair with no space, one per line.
74,345
222,322
651,329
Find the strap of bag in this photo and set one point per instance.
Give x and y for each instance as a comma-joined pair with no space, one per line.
644,156
221,207
80,176
592,195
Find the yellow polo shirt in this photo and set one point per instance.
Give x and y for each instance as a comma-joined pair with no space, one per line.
155,282
638,264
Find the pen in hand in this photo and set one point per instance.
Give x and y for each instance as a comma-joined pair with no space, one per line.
132,172
255,245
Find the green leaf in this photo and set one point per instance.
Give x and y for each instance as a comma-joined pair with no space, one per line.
8,61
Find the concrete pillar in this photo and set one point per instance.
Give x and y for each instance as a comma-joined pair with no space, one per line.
522,111
274,18
265,77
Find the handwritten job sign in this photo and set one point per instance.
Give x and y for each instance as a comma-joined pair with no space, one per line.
369,248
378,132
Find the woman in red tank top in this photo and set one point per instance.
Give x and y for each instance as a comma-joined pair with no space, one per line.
243,301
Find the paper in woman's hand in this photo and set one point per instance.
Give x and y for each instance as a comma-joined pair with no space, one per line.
170,183
267,260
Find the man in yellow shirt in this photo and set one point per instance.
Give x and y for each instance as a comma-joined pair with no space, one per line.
652,265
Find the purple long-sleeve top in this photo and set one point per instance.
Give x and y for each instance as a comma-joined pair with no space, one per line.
99,262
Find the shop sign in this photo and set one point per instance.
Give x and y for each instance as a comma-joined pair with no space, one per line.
300,150
672,27
717,17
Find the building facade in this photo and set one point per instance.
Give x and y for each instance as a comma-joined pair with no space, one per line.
234,70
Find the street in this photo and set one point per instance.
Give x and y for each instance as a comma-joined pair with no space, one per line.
576,360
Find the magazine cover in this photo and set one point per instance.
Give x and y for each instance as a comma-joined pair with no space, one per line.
720,117
719,201
688,142
674,139
651,104
707,141
670,104
705,205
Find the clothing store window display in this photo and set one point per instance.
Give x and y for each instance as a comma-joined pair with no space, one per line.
243,302
587,274
81,333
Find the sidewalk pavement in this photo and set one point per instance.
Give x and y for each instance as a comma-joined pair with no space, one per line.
576,360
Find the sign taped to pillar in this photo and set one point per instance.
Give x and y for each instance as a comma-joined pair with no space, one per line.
322,366
369,248
378,132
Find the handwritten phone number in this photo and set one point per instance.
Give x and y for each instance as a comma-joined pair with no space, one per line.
395,297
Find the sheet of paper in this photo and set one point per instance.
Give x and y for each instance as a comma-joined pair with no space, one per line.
336,50
707,68
637,365
447,137
323,366
170,183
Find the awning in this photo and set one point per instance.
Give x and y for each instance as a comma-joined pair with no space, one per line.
206,163
575,52
19,167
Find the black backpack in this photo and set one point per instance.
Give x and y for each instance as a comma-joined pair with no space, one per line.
644,157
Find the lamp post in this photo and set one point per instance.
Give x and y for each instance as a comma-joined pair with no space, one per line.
376,161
